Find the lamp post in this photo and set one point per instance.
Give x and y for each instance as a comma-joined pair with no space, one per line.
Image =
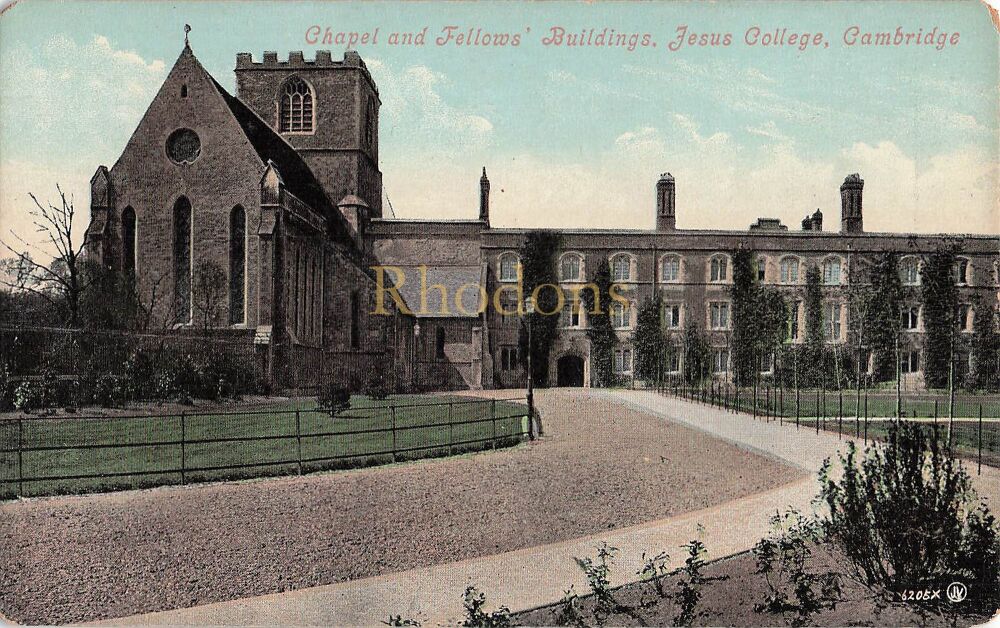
415,376
530,309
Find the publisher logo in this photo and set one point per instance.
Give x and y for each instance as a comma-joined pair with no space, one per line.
956,592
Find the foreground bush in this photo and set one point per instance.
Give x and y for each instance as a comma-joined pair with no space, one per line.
783,559
334,399
907,519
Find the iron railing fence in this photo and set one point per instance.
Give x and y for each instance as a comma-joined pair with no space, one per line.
42,455
970,423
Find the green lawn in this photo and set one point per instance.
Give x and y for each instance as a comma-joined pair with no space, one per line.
880,404
836,418
965,436
140,452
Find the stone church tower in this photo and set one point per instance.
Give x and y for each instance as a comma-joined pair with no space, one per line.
327,110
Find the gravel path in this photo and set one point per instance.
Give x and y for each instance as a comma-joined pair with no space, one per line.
601,466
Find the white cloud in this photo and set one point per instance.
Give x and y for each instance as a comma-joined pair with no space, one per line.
954,191
719,185
80,103
935,115
691,128
84,98
739,88
644,139
769,130
413,105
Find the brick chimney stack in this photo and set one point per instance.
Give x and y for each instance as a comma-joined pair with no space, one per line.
484,198
851,220
666,217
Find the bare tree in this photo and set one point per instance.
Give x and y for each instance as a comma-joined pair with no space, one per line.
208,292
64,276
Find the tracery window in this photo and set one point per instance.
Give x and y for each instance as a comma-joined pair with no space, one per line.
296,114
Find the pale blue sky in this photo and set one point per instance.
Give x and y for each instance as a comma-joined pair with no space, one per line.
571,137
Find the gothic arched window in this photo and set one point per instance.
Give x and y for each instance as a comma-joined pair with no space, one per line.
670,268
831,271
509,263
621,267
909,271
182,260
237,265
570,267
789,270
370,124
296,107
718,268
128,240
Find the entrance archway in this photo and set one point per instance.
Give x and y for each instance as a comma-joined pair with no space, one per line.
569,371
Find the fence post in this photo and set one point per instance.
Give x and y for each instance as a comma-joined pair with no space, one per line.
183,447
840,415
798,399
817,410
20,455
451,432
493,421
392,413
866,416
979,466
298,441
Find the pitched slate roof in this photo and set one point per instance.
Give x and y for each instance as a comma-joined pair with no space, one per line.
452,278
296,174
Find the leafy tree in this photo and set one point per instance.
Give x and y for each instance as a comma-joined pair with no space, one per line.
940,296
599,330
648,340
880,313
539,268
906,518
985,346
743,294
772,320
696,354
812,371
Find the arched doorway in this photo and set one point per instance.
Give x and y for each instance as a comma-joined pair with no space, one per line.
569,371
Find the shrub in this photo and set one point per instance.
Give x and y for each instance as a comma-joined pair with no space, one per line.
378,386
783,556
6,388
474,602
111,391
906,519
137,375
689,587
334,399
569,614
399,620
598,577
27,396
654,570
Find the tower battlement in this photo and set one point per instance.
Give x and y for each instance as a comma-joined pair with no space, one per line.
297,61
